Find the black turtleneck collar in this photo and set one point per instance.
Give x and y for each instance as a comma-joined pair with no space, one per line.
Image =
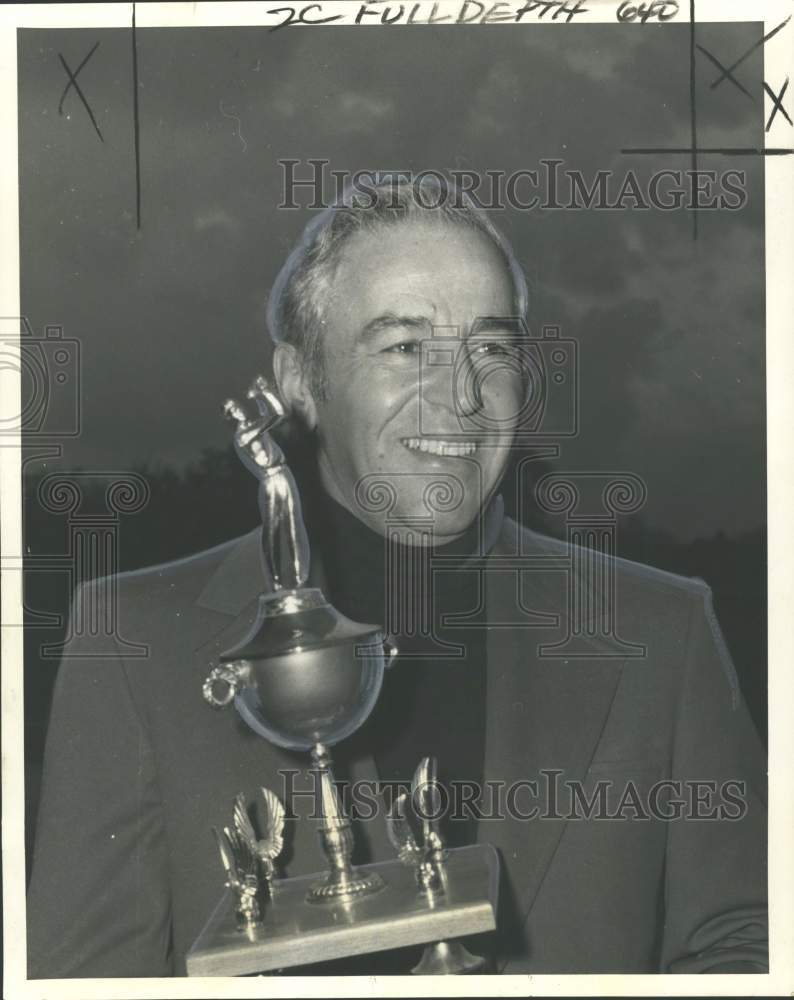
358,563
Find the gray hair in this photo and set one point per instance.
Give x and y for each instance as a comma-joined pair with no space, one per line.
295,306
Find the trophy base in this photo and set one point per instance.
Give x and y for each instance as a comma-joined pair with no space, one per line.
294,933
352,886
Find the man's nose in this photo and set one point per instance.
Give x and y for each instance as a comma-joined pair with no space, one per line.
450,378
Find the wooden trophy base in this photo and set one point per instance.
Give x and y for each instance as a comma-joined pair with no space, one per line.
296,932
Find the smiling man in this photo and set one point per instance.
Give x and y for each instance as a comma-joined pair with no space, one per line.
402,352
359,311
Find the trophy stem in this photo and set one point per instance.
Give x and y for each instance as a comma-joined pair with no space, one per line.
342,881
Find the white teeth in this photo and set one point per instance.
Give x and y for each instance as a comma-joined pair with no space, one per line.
455,449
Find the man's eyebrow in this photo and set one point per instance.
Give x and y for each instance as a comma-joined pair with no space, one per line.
390,320
499,324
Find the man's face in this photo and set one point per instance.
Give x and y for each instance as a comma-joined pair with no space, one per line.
391,414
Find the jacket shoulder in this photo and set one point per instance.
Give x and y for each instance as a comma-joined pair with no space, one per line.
178,581
652,604
627,571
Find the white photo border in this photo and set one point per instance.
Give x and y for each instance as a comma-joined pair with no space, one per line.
779,264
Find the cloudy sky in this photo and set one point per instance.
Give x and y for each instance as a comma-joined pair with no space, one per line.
171,318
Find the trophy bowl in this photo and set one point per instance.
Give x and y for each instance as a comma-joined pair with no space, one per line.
304,678
305,674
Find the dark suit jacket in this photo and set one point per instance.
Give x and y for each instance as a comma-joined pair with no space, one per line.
138,769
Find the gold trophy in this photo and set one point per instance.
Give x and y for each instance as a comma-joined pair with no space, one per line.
305,678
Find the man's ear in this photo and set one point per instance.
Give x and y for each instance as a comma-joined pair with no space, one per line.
293,383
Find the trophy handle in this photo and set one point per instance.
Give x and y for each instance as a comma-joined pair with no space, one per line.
229,677
390,651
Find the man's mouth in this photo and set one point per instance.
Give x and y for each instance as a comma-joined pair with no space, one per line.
438,446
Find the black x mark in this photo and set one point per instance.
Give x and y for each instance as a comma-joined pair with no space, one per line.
73,83
726,73
777,100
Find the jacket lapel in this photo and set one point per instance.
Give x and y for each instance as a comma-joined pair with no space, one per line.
544,717
238,578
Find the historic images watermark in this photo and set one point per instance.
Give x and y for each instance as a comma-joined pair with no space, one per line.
547,367
549,185
547,797
92,503
49,370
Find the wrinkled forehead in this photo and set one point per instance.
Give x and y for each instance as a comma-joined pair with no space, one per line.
449,273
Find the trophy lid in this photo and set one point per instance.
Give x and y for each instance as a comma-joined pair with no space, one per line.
290,621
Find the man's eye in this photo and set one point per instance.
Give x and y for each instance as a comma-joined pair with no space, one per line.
404,347
491,347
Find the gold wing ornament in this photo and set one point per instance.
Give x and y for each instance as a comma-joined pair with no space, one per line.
426,798
414,831
413,827
272,844
242,824
268,848
227,858
240,867
401,835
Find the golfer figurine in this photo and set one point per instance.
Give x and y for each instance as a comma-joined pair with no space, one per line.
285,546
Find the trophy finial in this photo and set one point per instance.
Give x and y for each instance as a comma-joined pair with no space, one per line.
233,411
252,439
266,399
284,544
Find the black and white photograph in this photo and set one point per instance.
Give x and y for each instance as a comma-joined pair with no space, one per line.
396,491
